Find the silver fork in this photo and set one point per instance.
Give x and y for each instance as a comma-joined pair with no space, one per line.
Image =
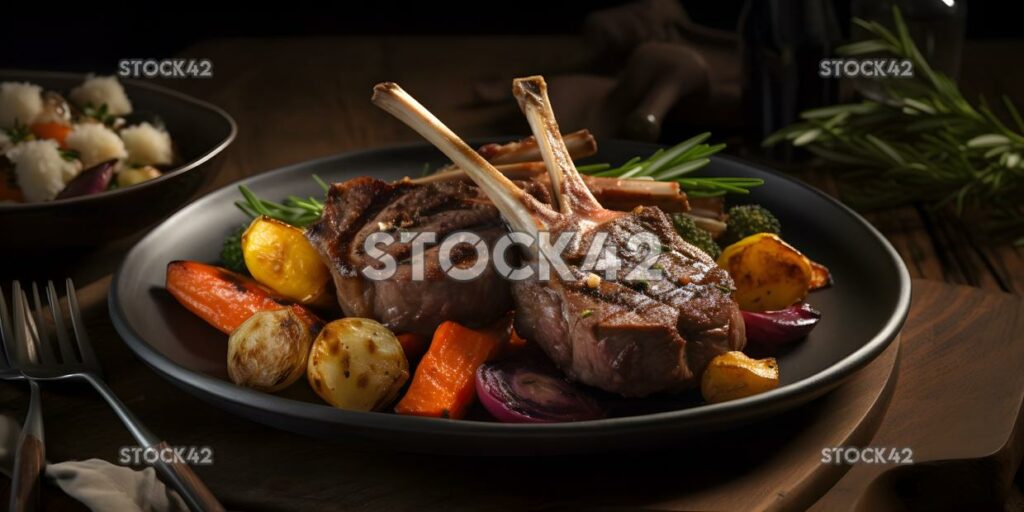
83,365
19,338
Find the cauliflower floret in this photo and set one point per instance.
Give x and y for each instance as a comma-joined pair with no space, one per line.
147,145
102,90
40,169
95,143
21,102
5,142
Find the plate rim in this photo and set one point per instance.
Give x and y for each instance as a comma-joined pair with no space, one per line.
182,169
696,417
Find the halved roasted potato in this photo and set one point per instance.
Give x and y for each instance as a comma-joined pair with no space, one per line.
733,375
769,274
279,256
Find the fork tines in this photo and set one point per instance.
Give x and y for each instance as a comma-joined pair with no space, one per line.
28,336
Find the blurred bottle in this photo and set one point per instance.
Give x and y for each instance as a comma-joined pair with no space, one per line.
783,43
936,26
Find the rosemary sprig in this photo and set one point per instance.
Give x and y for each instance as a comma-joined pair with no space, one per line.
923,142
294,210
675,164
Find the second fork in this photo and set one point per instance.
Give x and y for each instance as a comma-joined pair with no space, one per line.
19,337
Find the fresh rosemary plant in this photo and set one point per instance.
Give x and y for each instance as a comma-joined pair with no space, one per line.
675,164
922,143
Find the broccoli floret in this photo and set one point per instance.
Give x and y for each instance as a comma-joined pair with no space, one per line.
696,236
749,219
231,252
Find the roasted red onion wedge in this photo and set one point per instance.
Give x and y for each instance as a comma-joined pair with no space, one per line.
525,392
774,328
93,180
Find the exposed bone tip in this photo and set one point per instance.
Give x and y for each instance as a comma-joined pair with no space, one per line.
530,86
384,88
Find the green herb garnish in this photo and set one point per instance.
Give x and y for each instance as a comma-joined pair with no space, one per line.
231,252
675,164
297,211
69,155
19,133
101,113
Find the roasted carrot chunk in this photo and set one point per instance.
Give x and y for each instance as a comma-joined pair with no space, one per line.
219,296
444,383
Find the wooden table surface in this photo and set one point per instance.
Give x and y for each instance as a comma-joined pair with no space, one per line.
304,98
299,99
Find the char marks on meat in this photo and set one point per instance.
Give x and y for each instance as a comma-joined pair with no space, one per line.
628,337
359,207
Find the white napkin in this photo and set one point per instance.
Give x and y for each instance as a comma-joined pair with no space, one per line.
97,483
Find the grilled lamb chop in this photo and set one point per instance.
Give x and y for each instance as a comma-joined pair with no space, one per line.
360,207
628,337
438,202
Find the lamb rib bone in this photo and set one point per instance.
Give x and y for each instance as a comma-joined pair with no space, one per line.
520,210
612,193
581,144
571,193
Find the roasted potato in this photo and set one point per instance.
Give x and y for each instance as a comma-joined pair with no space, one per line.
821,277
769,273
357,364
279,256
268,351
733,375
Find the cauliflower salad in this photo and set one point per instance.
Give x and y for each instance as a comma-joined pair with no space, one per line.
55,147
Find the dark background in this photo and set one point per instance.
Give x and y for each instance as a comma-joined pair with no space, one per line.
94,42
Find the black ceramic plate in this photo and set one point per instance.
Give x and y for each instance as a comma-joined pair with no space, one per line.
861,315
200,131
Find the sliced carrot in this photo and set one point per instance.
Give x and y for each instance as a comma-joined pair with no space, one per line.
55,131
219,296
444,384
414,345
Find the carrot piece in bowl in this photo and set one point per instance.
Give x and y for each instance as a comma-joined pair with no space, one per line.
54,131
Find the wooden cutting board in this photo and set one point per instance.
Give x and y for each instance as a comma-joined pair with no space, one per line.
951,391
